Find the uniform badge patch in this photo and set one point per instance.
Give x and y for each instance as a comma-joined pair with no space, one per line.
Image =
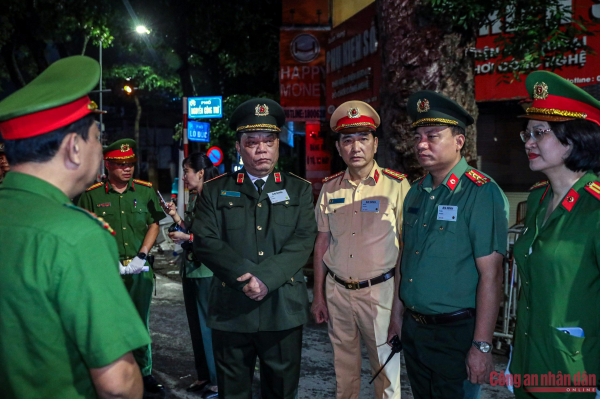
277,177
353,113
230,193
261,110
240,178
337,200
570,200
593,188
124,147
423,105
103,205
540,91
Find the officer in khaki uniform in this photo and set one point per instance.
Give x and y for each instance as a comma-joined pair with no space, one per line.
359,217
454,235
133,210
255,230
67,326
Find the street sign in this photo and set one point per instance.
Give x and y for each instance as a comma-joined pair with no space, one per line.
215,155
205,107
198,131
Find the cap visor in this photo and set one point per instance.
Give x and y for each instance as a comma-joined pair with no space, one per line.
548,118
122,161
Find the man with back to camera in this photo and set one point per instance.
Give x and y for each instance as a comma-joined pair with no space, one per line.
67,327
454,236
133,209
255,229
359,216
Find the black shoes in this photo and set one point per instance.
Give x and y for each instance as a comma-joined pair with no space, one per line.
197,387
151,385
209,394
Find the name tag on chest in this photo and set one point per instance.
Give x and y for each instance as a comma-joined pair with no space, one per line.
278,196
447,212
369,206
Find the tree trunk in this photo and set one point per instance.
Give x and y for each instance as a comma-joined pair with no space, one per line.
419,54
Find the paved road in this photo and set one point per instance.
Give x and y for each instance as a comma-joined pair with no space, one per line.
173,356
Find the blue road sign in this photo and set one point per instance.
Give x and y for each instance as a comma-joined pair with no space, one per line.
198,131
205,107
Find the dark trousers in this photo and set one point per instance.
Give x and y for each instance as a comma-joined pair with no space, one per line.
279,354
435,356
195,296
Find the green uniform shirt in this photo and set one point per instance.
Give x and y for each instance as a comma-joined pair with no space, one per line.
439,273
128,213
559,265
191,268
238,231
63,307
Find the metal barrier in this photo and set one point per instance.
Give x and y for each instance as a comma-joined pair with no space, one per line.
507,318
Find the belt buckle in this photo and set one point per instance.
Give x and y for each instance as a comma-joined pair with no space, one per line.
419,318
126,262
352,285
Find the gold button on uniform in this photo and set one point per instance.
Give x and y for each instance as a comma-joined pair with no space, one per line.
424,224
259,205
432,197
352,256
441,228
258,228
231,204
292,279
126,244
287,202
353,234
104,213
124,228
122,211
261,253
223,284
417,252
410,280
355,212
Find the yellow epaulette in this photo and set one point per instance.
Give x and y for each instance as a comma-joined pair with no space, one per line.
215,178
539,184
477,177
298,177
329,178
95,218
143,183
392,173
593,188
95,186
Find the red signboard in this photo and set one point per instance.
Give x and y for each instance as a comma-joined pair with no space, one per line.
318,159
302,73
354,61
582,69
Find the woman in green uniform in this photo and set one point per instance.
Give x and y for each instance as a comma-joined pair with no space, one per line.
558,254
196,277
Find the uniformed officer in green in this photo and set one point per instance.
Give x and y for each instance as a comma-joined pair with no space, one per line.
67,326
133,210
255,229
455,231
558,254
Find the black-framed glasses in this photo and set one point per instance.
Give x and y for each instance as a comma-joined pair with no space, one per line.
535,134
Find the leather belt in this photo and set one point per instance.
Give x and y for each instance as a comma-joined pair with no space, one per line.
443,318
126,262
357,285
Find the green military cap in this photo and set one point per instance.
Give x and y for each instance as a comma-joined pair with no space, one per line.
556,99
429,108
121,151
56,98
257,115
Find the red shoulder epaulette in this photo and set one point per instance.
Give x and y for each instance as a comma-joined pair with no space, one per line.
539,184
329,178
95,186
215,178
593,188
477,177
392,173
143,183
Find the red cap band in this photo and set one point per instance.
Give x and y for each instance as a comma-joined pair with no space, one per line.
45,121
346,122
563,106
124,152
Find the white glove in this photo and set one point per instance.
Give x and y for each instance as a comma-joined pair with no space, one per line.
136,266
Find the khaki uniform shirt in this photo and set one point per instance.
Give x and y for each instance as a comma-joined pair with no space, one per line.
365,221
63,308
559,265
129,213
439,274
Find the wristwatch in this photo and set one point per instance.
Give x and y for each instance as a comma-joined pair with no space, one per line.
142,256
482,346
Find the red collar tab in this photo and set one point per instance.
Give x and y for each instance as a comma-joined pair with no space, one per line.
452,182
125,152
347,122
477,177
376,176
240,178
563,106
593,188
106,188
329,178
45,121
277,177
570,200
132,185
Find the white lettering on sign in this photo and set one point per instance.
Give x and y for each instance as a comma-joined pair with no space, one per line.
352,50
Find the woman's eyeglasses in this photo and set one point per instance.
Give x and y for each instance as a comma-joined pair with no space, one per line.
535,134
